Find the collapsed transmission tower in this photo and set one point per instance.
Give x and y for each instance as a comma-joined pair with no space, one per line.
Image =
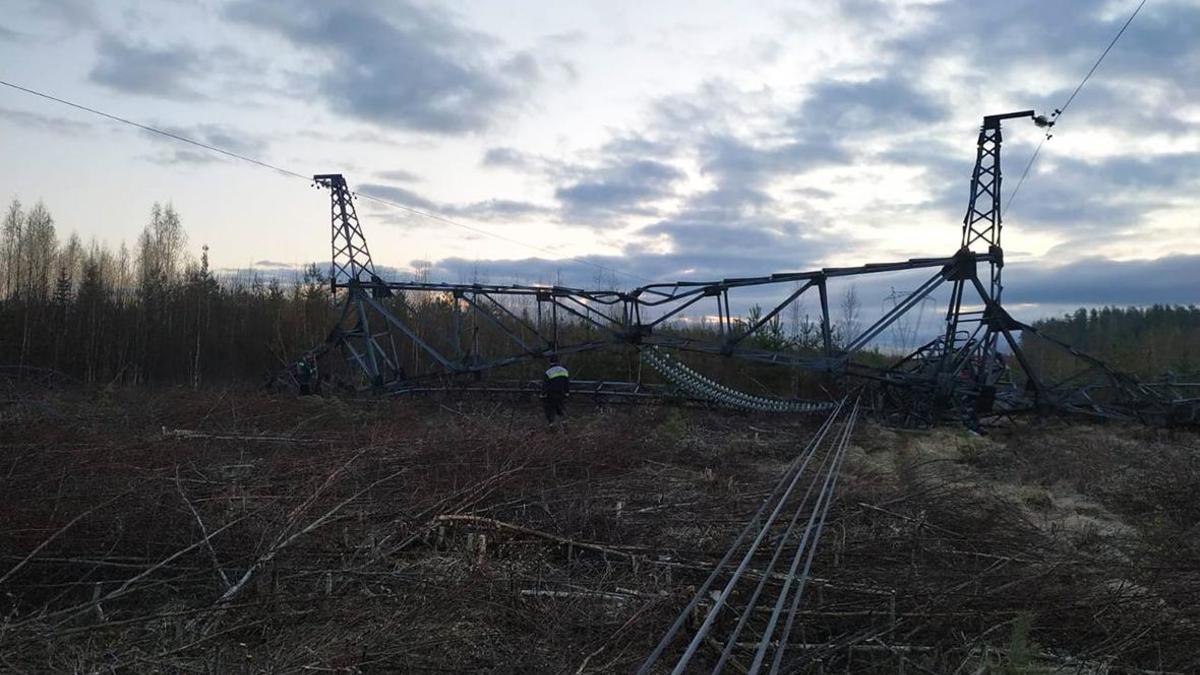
414,336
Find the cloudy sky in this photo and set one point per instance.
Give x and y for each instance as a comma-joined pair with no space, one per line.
667,140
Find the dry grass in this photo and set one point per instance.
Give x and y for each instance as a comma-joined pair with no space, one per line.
275,534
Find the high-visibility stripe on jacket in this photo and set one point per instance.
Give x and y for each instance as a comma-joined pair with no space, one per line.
556,371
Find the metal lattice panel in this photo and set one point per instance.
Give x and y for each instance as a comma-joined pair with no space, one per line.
977,367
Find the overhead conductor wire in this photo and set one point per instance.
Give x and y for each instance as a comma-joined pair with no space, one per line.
294,174
1062,109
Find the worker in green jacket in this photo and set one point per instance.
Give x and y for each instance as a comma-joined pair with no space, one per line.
556,384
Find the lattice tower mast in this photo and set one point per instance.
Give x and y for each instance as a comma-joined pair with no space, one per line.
350,261
969,345
982,222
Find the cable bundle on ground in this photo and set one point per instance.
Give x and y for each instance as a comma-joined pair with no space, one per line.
700,387
778,594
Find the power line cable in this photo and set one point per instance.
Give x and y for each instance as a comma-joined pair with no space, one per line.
295,174
1024,174
1096,65
1063,108
154,130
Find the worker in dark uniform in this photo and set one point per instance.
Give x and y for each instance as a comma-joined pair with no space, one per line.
555,385
307,376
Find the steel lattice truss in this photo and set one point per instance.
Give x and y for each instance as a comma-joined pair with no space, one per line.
979,366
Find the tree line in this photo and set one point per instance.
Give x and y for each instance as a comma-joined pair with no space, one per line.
1147,341
150,314
155,314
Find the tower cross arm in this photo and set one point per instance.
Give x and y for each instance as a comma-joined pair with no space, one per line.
993,121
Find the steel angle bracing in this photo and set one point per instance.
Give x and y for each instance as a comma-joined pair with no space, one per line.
956,377
351,264
350,259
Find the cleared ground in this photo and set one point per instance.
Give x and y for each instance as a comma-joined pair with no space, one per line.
227,531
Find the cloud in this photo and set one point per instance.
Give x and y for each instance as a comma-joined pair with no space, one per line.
217,135
9,35
738,226
1105,198
1096,281
397,194
706,255
370,137
222,136
628,187
727,213
504,157
877,105
500,209
491,209
1028,35
1033,54
399,175
701,234
635,144
404,67
140,69
740,176
631,175
74,14
183,156
727,200
1163,42
510,157
52,123
751,165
